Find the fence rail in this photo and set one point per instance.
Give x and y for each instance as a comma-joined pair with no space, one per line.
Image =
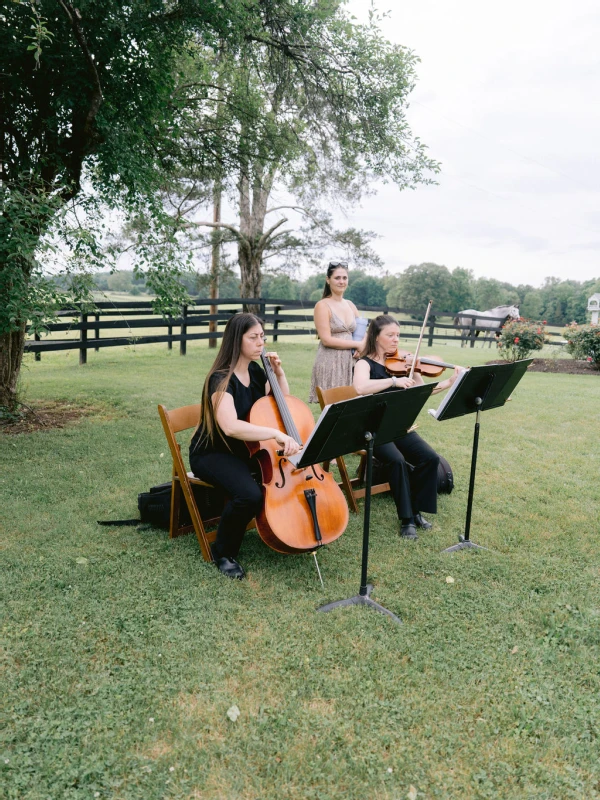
197,314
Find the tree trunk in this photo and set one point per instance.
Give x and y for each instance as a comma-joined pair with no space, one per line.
215,262
251,278
11,356
251,244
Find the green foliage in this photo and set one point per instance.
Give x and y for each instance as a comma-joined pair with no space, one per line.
520,337
532,306
281,287
421,283
490,293
365,289
583,341
462,289
565,301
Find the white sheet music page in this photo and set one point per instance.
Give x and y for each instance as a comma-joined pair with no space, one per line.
295,459
435,414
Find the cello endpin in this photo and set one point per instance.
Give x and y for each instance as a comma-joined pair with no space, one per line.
318,570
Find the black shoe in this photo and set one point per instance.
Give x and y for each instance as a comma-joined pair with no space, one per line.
229,567
408,531
421,522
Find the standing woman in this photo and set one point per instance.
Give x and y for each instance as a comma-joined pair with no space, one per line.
413,484
218,453
335,321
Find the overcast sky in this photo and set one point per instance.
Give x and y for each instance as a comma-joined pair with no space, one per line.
507,100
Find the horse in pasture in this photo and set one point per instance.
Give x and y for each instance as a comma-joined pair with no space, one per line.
491,320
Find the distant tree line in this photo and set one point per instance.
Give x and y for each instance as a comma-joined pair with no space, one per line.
558,302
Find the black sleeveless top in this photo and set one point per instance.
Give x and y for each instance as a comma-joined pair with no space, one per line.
378,372
244,398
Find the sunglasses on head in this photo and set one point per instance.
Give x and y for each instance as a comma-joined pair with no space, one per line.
338,264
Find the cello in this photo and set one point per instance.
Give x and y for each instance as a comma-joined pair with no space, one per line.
303,509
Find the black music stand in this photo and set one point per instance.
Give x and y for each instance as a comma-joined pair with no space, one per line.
478,389
344,428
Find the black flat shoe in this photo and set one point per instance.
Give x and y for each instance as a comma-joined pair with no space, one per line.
421,522
408,531
230,567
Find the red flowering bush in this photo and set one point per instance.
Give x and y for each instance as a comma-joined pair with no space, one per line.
520,337
583,342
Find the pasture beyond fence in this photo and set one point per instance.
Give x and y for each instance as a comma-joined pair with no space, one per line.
201,319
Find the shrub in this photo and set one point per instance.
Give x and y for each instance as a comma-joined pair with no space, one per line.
583,341
520,337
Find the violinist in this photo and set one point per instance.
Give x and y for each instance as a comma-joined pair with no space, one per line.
412,463
218,453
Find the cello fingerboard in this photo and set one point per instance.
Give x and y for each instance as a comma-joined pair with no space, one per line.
290,426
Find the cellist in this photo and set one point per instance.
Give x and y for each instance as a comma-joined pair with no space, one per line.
413,484
218,453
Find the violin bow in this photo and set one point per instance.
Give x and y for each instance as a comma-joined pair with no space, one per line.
416,355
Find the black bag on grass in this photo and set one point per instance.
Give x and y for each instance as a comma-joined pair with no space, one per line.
445,477
155,506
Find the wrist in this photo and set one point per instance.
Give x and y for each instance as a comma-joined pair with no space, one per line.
394,381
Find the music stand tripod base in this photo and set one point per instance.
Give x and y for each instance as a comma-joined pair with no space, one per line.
464,544
361,600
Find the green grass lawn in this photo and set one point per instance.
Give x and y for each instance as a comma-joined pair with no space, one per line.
123,651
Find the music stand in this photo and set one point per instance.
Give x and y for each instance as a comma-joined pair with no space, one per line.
476,390
344,428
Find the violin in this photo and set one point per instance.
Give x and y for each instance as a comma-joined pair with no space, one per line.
303,509
401,362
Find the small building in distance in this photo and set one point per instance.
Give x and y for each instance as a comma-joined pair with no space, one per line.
594,307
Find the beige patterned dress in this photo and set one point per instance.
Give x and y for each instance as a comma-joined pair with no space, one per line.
333,367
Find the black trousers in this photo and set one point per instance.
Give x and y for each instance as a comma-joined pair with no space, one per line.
232,474
412,466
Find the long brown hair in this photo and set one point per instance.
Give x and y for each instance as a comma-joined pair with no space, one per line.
331,268
224,364
375,327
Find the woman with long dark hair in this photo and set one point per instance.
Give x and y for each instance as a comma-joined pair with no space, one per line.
335,321
412,463
218,453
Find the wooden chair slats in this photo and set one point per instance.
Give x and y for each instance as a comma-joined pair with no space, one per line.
173,422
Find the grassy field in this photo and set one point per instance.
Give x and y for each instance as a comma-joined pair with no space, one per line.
123,651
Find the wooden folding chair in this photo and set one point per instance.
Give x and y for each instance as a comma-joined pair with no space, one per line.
174,421
337,395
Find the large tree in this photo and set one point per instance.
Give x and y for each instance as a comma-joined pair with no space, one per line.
91,111
315,132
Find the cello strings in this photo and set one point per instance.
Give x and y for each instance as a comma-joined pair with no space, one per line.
286,416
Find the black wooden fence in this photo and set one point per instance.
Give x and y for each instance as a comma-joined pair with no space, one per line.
195,319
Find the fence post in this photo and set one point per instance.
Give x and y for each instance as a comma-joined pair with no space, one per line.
276,322
83,340
472,331
183,342
170,335
431,330
38,355
97,331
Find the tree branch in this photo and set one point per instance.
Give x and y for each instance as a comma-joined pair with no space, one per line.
74,17
262,242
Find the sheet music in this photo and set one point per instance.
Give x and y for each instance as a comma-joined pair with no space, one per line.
296,458
435,414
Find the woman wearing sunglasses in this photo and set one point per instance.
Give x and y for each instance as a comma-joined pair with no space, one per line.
335,321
